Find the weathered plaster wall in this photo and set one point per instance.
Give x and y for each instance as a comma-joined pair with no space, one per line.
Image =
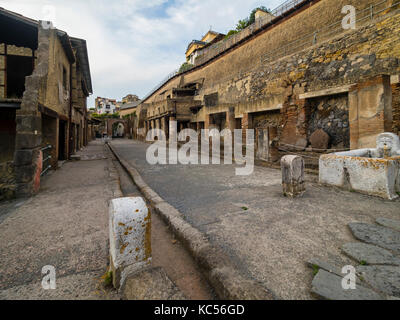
56,96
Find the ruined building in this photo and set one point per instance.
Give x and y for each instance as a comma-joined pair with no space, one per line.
44,84
296,76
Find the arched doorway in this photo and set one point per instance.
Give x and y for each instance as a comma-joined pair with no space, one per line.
118,130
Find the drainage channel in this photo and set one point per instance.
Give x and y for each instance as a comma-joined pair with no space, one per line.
168,252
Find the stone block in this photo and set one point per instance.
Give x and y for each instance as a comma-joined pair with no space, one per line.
371,176
383,278
370,254
293,176
301,144
25,157
28,140
25,174
130,237
29,123
320,140
376,235
328,286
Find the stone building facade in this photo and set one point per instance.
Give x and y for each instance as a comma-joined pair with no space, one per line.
298,74
45,81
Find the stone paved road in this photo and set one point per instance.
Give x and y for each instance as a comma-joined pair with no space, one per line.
273,239
65,225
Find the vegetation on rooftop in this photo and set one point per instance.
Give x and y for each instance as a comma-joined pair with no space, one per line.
243,24
185,66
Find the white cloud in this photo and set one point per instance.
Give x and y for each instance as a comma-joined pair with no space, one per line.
134,44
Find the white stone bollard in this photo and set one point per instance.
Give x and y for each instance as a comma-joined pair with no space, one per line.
293,176
130,237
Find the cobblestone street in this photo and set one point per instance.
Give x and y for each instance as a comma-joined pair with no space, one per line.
269,237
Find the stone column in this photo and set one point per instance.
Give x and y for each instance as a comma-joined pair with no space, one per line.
230,119
247,123
28,156
293,176
273,150
370,111
209,121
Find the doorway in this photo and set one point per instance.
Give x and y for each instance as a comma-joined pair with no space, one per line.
18,68
61,140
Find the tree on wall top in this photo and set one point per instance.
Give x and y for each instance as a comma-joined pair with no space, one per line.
244,23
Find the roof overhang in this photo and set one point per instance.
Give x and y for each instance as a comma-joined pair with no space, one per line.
21,31
82,54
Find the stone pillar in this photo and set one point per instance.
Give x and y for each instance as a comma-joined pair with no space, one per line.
247,123
293,176
147,128
130,237
370,111
163,124
209,121
273,149
230,119
28,156
172,130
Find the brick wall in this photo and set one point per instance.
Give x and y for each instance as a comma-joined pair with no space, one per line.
396,108
251,86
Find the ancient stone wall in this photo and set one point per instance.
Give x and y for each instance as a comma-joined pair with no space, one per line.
7,181
231,74
396,108
286,83
331,114
56,94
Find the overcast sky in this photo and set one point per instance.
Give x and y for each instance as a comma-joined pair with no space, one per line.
134,44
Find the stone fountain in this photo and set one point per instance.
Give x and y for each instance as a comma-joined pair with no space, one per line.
371,171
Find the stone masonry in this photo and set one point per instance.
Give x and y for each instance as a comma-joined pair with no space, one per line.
325,75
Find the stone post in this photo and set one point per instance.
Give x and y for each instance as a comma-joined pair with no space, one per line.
230,119
293,176
130,238
273,149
